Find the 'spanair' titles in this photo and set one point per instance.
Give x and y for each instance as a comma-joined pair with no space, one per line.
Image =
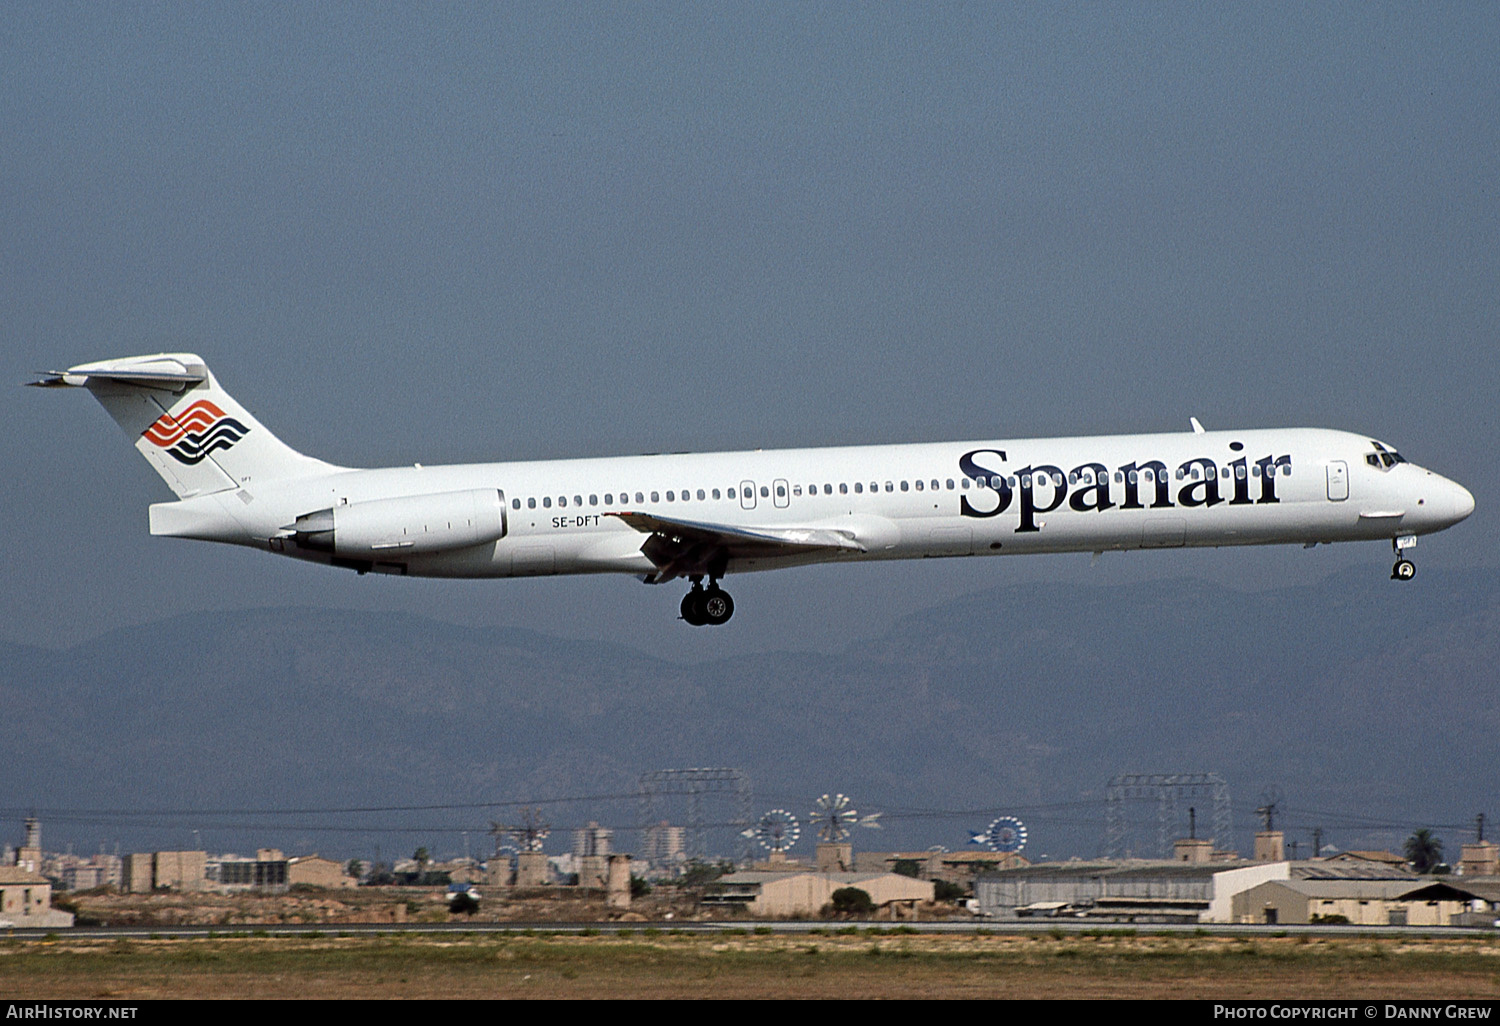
1093,487
197,431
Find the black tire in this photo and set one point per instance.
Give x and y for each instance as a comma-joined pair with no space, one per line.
1404,570
692,608
717,607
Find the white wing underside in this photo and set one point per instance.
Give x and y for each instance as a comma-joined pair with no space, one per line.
683,548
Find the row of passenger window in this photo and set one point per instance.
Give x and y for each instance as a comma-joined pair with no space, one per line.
703,495
1086,477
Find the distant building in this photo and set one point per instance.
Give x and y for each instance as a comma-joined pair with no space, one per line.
1416,902
964,867
617,893
1384,858
531,869
1192,849
83,874
1479,858
271,872
592,840
956,867
593,870
1484,904
29,856
137,873
1351,869
26,900
780,895
460,870
1270,846
886,862
144,872
180,871
665,847
316,871
835,857
778,862
1130,890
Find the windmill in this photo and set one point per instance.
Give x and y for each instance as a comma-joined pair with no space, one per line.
527,836
1270,845
833,818
1006,834
1270,798
776,831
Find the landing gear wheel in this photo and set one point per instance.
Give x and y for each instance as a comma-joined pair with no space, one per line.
1404,570
692,608
717,606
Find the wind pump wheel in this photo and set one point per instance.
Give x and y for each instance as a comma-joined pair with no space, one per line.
833,816
1006,834
1270,804
527,836
776,831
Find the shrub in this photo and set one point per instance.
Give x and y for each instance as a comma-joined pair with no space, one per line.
945,890
852,901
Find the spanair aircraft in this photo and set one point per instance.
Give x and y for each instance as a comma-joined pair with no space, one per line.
664,517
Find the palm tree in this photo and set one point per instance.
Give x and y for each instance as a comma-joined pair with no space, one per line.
1423,851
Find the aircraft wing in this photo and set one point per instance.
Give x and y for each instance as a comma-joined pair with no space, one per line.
681,548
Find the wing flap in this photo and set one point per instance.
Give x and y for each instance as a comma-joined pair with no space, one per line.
680,548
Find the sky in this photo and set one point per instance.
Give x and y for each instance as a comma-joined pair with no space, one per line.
456,232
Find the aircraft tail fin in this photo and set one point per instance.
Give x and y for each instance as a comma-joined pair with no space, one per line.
189,429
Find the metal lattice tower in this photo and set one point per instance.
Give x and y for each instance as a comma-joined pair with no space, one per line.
696,784
1166,788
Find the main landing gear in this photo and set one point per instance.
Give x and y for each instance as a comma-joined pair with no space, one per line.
1405,569
709,606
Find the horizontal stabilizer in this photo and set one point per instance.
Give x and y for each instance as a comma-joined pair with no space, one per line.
164,371
190,430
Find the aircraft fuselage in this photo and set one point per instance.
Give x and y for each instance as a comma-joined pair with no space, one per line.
703,516
1004,497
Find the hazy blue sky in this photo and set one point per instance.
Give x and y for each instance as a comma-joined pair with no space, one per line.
448,232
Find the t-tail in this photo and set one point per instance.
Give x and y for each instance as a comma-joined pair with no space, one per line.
189,429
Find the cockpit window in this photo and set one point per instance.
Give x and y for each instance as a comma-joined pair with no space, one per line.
1383,458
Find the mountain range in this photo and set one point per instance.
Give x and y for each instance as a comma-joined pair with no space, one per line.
1368,704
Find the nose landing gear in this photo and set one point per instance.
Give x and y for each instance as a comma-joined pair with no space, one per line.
1405,569
707,607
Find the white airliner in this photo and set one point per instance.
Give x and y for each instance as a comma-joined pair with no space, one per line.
705,516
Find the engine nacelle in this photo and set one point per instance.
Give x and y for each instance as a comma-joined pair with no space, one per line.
390,529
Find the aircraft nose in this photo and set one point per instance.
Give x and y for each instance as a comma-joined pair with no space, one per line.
1463,501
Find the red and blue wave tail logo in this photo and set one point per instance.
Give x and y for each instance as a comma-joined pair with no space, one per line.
197,431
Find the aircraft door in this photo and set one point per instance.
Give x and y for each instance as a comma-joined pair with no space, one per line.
747,494
781,492
1338,480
